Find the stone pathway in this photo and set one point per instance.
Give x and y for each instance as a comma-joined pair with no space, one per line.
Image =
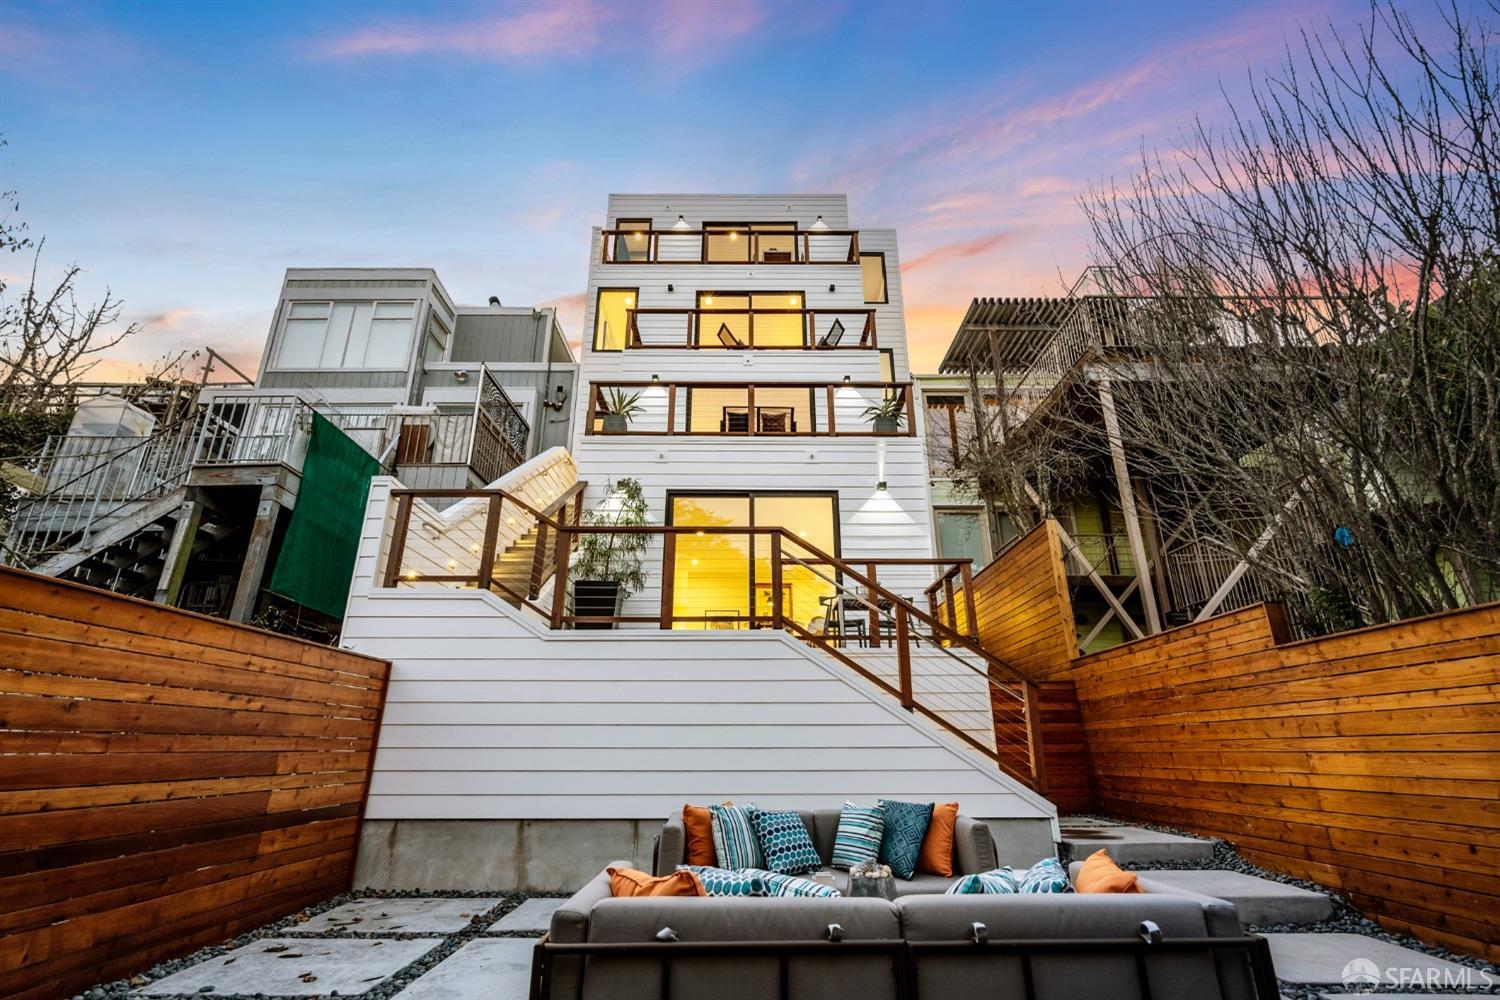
1259,900
397,948
1359,961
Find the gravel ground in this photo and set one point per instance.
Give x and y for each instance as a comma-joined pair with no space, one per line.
289,927
1345,920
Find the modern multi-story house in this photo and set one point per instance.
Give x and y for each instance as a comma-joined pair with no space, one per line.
190,509
784,641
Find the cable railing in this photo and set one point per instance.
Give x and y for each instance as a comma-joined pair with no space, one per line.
760,409
731,577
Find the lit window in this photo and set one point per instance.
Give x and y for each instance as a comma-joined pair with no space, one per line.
612,318
872,270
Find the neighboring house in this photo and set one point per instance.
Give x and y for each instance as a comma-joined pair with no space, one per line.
191,509
961,525
1130,572
744,360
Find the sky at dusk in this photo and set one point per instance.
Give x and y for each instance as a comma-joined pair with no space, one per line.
187,154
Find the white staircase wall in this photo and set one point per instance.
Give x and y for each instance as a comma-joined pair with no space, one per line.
490,716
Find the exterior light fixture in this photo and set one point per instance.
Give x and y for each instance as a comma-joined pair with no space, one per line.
671,289
655,379
453,564
681,223
848,379
820,224
461,375
830,288
880,487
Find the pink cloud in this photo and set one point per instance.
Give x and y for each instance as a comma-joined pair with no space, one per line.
567,29
957,251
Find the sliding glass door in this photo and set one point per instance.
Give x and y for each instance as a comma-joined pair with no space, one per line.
725,581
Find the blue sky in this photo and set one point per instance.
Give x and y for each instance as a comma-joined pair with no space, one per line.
186,154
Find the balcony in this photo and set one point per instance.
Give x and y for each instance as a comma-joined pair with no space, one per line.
737,329
730,244
736,409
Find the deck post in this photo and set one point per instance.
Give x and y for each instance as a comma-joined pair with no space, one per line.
874,608
486,569
1127,505
777,611
966,571
668,578
903,658
174,566
253,569
560,577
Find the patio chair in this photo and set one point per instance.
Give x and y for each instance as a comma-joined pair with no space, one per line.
735,420
833,336
775,420
728,339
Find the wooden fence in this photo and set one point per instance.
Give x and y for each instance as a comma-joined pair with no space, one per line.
167,780
1368,761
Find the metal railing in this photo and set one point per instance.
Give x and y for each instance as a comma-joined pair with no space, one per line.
744,409
789,329
733,577
1107,553
729,244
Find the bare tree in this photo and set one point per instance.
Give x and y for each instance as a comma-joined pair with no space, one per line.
1316,291
47,338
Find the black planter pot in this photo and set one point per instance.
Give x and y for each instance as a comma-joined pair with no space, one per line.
597,599
887,425
615,423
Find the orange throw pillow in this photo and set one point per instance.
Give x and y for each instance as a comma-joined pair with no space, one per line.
937,847
630,882
1100,874
698,825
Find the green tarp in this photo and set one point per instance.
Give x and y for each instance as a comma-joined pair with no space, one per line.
317,557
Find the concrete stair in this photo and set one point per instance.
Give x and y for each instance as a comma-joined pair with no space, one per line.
1129,844
1259,900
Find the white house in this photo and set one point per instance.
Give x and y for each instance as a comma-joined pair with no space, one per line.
791,642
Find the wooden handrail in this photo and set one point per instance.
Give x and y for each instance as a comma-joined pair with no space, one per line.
999,675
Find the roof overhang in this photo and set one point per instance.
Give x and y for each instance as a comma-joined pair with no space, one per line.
1010,330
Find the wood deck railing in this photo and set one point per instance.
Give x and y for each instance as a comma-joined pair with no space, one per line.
871,620
787,329
756,409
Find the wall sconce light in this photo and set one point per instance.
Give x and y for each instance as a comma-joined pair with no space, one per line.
559,402
655,379
820,224
681,223
830,288
848,379
880,487
671,289
462,375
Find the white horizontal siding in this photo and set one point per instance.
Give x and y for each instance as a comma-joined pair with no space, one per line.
489,716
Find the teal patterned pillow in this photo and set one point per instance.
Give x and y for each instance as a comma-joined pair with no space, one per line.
905,828
723,882
735,845
784,841
858,839
1000,882
780,884
1046,876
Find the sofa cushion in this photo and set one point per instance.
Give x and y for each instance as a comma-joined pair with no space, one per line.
1099,873
859,834
735,844
785,842
936,857
631,882
726,881
740,977
901,839
1042,917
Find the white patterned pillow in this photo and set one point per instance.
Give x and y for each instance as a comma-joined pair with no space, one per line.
735,843
1000,882
858,838
781,884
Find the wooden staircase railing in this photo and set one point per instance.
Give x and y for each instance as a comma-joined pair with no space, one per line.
426,557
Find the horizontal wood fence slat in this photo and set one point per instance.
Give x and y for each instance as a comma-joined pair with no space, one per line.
167,780
1367,761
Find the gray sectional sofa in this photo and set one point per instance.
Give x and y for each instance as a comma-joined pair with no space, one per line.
922,945
973,850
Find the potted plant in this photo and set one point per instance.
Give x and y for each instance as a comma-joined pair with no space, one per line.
888,415
619,409
607,566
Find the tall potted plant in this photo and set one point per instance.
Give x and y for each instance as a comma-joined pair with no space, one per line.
888,415
607,567
619,409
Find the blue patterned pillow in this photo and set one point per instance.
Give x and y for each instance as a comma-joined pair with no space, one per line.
1046,876
723,882
735,845
785,842
858,839
905,828
780,884
1000,882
